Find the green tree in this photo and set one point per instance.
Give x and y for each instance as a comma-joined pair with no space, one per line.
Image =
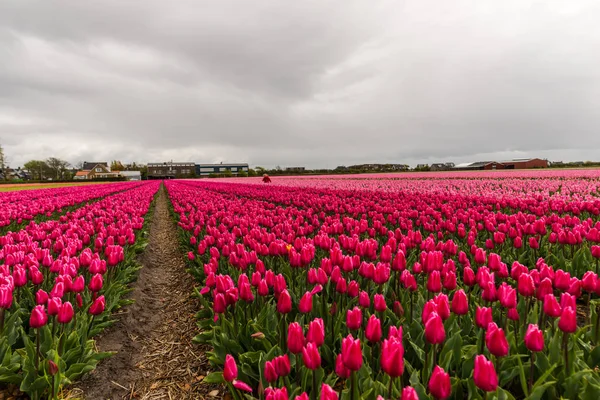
116,165
38,169
58,167
3,164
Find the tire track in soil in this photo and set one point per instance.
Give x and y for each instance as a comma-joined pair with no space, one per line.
155,357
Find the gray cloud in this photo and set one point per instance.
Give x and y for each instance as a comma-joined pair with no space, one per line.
315,83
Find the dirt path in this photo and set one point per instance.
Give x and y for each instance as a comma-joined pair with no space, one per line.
155,356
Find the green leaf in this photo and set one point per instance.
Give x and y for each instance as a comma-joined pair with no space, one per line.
214,377
538,392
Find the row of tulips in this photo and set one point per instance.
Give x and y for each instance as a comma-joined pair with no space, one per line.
23,206
59,282
318,293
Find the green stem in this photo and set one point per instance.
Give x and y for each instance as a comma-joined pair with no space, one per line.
531,371
354,390
37,349
313,390
566,347
391,388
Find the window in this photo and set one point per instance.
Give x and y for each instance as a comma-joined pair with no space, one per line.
234,169
98,169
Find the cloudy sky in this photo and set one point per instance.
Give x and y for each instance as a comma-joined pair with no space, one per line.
313,83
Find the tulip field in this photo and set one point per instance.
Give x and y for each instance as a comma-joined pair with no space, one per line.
479,285
66,258
414,286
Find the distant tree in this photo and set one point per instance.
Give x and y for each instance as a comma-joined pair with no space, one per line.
143,171
260,170
228,173
79,165
3,164
38,169
116,165
58,167
242,174
251,172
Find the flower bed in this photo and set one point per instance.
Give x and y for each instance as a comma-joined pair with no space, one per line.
420,289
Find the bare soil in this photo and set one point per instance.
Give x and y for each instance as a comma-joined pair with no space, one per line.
155,357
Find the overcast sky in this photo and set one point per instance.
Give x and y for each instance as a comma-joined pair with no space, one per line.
309,83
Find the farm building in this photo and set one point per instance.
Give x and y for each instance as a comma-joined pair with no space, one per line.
131,175
521,163
442,166
99,170
171,170
222,168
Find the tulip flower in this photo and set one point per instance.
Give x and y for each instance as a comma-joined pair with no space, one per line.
316,332
230,371
392,357
379,303
65,313
97,306
460,303
242,386
551,306
363,299
534,338
96,283
484,374
373,331
327,392
284,302
409,393
443,308
282,365
340,368
41,297
270,373
434,283
295,338
311,356
352,353
483,317
434,329
495,340
439,384
568,320
354,319
38,317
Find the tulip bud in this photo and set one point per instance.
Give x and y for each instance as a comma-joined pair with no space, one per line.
284,302
52,368
363,299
